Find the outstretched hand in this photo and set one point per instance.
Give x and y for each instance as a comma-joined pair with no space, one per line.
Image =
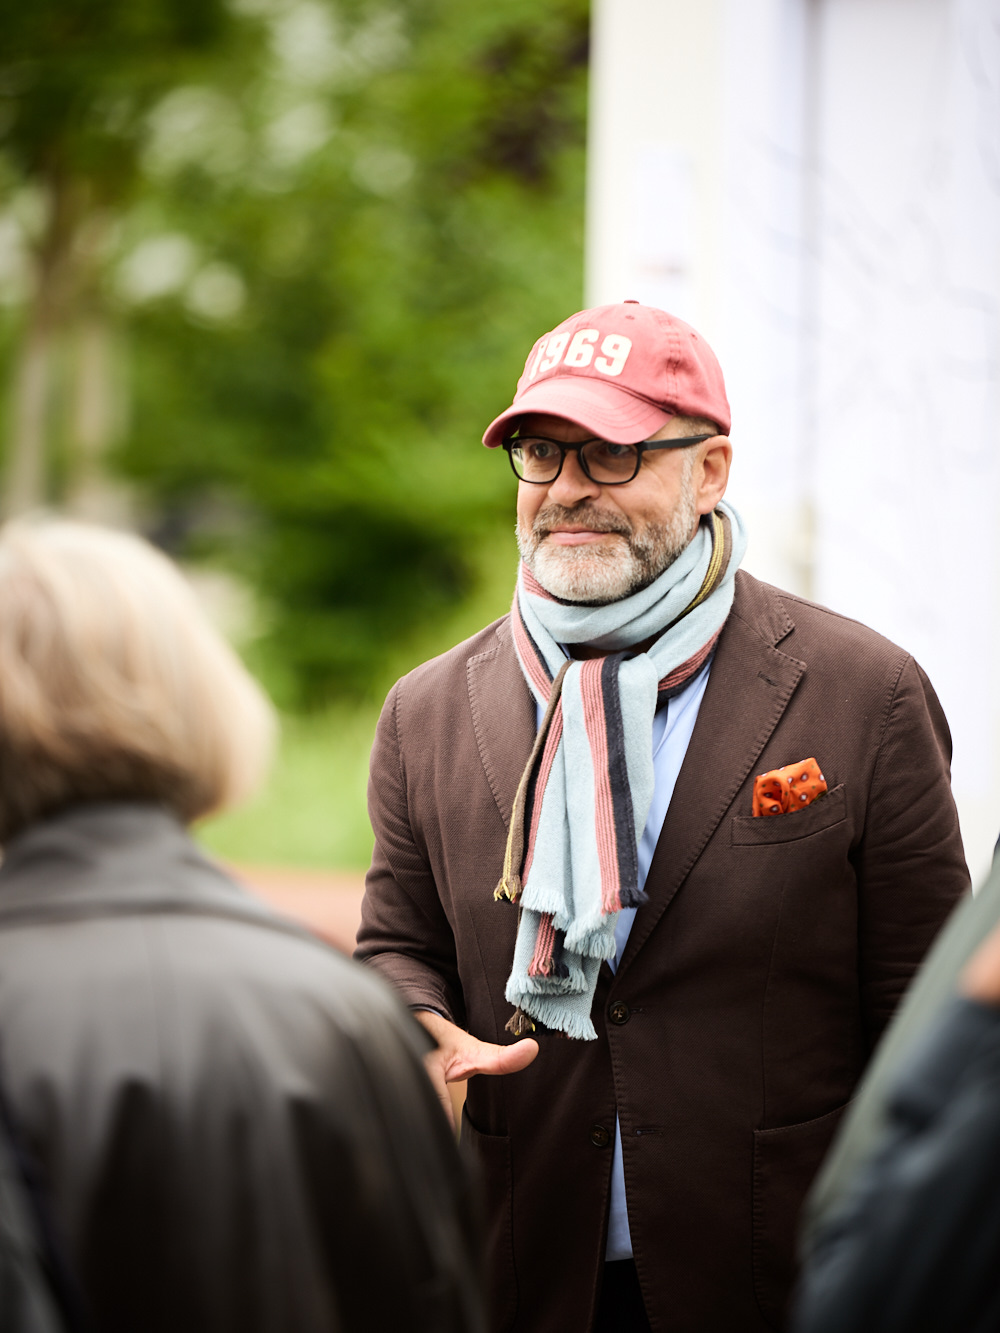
459,1055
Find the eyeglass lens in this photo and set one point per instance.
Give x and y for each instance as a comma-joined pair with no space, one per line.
539,460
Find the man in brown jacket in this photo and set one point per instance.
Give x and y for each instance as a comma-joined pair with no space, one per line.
711,931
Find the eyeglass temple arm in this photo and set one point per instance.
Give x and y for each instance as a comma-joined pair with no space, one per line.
681,442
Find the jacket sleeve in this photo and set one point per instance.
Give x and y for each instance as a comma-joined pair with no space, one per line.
405,933
916,1243
910,864
396,1217
295,1172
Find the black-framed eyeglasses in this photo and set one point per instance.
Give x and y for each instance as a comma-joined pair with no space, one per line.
539,461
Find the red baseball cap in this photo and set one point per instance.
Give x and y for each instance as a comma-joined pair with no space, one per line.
621,371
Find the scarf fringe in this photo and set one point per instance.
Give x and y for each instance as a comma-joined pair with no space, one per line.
519,1024
549,968
509,888
571,1027
633,897
544,961
621,896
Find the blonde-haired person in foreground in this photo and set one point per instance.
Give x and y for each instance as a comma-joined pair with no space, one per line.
230,1123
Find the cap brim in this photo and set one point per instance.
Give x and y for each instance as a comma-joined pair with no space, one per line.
602,407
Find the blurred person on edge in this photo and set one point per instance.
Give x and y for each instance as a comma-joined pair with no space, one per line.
914,1244
903,1232
691,833
230,1124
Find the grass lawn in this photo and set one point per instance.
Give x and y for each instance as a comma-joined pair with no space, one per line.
312,812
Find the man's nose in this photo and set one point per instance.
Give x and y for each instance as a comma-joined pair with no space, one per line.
572,484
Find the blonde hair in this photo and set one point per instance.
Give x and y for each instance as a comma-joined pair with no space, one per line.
113,683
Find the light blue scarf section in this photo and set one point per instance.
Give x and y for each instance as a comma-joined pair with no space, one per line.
564,877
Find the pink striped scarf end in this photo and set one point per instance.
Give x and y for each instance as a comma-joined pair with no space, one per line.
545,961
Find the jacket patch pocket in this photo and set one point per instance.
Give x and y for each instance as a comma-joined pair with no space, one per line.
759,831
785,1160
488,1156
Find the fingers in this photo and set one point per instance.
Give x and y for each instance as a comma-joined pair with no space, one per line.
459,1055
481,1057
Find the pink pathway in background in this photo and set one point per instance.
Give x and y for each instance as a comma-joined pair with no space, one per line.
329,904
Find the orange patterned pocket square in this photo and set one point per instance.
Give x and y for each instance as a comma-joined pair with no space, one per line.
785,790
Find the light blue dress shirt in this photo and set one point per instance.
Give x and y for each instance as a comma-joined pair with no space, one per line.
672,728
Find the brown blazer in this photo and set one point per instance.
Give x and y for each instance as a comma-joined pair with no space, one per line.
754,984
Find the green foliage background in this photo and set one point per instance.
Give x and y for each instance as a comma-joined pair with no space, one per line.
373,209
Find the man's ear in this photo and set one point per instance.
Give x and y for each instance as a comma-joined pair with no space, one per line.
716,456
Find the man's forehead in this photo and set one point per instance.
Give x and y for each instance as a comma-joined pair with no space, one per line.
561,428
552,427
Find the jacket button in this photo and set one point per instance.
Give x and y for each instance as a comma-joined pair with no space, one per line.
599,1136
619,1012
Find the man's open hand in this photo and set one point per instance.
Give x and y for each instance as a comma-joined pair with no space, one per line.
460,1055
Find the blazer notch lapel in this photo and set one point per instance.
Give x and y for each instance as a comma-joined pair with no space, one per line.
750,686
762,608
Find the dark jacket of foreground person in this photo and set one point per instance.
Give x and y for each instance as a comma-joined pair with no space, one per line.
29,1301
933,988
231,1121
914,1246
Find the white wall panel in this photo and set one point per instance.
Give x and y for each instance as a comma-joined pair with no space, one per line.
764,310
654,170
907,489
816,185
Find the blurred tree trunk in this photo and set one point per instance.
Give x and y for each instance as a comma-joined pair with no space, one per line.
94,392
24,484
25,481
91,417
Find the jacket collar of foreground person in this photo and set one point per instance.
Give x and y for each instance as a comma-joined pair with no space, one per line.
96,858
617,436
210,1075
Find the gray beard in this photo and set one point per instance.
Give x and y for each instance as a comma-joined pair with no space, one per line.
595,577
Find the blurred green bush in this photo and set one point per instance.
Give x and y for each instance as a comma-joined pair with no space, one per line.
281,263
313,811
267,270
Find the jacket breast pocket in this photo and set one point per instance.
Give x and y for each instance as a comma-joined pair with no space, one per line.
766,830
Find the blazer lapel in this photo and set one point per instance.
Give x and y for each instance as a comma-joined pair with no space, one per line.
750,685
503,716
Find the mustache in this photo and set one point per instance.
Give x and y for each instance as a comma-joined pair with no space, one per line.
594,520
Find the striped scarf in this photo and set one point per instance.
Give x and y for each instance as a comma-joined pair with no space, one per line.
571,862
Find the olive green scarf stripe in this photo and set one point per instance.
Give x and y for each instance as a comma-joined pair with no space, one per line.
722,549
510,881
